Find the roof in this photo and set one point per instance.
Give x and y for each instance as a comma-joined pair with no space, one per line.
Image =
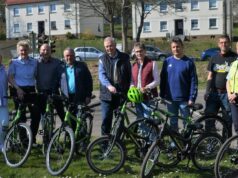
16,2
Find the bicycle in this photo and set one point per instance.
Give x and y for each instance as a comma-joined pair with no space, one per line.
18,141
172,146
226,165
107,154
62,144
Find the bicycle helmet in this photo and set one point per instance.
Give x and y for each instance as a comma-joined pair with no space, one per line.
135,95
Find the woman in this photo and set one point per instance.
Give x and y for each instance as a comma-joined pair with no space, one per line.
145,76
21,76
3,104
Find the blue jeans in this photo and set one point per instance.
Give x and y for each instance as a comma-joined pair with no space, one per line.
142,110
174,108
107,114
234,114
4,120
216,101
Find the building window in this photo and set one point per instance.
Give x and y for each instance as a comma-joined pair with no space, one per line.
212,4
213,23
146,27
53,25
67,7
194,24
147,7
163,7
16,11
178,6
52,8
67,24
41,9
194,5
29,10
163,26
16,28
29,27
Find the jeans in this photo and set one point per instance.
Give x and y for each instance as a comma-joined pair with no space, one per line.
4,120
174,108
142,110
216,101
107,114
234,114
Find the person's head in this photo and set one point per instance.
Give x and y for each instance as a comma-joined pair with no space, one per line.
224,43
177,47
45,51
23,49
140,52
69,56
110,46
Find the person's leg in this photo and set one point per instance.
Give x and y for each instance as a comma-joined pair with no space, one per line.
59,109
184,110
234,114
139,111
107,114
4,121
173,108
226,111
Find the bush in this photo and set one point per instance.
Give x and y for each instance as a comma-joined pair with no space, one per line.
2,36
69,35
87,36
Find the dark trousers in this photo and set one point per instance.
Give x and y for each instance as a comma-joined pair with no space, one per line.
30,102
107,114
234,114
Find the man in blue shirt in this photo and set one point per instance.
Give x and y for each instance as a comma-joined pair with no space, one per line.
21,76
178,82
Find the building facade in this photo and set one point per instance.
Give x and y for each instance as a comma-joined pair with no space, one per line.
54,17
185,17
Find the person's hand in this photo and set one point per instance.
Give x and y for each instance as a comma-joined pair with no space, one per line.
232,97
190,102
112,89
20,93
87,100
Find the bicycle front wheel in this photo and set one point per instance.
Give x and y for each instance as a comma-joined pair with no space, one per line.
17,145
105,158
60,151
47,131
205,149
226,164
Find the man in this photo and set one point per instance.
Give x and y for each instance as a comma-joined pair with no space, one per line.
216,93
76,80
178,82
21,76
114,76
48,79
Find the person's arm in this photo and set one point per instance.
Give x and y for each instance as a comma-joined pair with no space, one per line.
231,96
163,80
194,84
155,82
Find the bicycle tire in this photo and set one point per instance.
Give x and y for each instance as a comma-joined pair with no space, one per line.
47,131
103,161
145,131
17,147
205,149
226,164
221,126
150,160
61,146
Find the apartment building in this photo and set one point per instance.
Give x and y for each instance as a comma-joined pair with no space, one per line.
50,17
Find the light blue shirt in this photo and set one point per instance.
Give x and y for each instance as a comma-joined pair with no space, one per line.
71,79
24,71
3,86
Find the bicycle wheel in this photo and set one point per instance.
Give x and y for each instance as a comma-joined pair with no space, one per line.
47,131
145,132
205,149
215,124
226,165
104,158
60,151
150,160
17,145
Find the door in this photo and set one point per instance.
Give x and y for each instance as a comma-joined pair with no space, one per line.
179,27
41,28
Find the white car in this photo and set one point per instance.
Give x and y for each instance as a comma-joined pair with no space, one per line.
85,53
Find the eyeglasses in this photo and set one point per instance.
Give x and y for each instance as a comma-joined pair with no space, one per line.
139,51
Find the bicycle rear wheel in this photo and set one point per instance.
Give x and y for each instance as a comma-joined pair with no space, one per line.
226,165
60,151
205,149
105,158
17,145
215,124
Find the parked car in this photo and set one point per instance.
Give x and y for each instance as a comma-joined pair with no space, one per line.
208,53
154,53
85,53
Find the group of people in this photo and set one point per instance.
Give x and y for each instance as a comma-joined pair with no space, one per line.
177,81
